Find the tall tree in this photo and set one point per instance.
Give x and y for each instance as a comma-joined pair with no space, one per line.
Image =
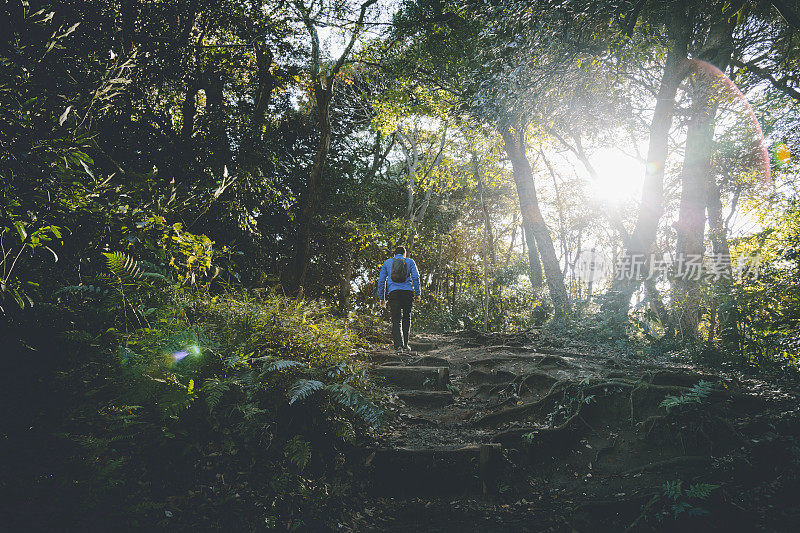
697,179
322,77
679,20
532,219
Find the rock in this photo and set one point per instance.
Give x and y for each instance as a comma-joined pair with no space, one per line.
419,398
416,377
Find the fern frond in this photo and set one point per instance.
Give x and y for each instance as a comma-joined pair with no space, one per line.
152,275
696,394
282,364
303,388
347,396
122,265
154,269
83,290
214,389
337,370
700,490
299,452
672,489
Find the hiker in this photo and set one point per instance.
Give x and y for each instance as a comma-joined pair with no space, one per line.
402,277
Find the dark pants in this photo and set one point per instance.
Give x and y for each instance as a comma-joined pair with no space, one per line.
400,303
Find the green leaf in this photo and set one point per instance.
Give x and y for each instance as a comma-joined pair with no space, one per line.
303,388
20,227
64,115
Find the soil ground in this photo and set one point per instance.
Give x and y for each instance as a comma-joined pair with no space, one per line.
516,433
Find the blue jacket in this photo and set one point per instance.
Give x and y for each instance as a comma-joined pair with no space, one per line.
411,282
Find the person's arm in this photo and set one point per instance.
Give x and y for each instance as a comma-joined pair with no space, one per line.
382,285
415,279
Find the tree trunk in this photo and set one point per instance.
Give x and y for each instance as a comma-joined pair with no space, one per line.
514,143
489,258
310,203
266,83
513,244
726,317
719,51
188,112
416,216
692,217
534,265
322,78
344,284
696,177
652,203
561,230
217,118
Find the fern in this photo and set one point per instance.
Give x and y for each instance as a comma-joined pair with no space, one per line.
152,275
337,370
303,388
77,336
298,451
125,267
673,490
695,395
283,364
348,397
214,389
154,269
683,500
83,290
122,265
700,490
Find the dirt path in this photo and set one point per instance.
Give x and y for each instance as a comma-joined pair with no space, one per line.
512,433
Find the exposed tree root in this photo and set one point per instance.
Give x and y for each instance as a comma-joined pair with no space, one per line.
668,463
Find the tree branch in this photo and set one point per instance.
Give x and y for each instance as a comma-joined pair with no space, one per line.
764,74
792,18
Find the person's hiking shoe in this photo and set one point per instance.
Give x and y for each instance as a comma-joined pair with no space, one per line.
406,348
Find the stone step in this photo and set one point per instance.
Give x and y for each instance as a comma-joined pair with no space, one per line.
416,377
472,469
430,360
387,356
422,346
422,398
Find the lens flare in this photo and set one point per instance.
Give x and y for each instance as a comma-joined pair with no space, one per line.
782,153
178,356
712,71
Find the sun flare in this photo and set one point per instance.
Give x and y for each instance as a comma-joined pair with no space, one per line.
619,176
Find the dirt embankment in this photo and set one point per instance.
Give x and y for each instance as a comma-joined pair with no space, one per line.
509,432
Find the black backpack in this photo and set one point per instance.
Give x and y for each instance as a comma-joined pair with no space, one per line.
399,270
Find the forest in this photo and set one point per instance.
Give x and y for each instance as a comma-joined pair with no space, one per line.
600,197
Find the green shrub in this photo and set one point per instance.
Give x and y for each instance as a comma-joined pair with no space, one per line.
191,389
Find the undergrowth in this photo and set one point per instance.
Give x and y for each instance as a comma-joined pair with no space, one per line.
184,409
